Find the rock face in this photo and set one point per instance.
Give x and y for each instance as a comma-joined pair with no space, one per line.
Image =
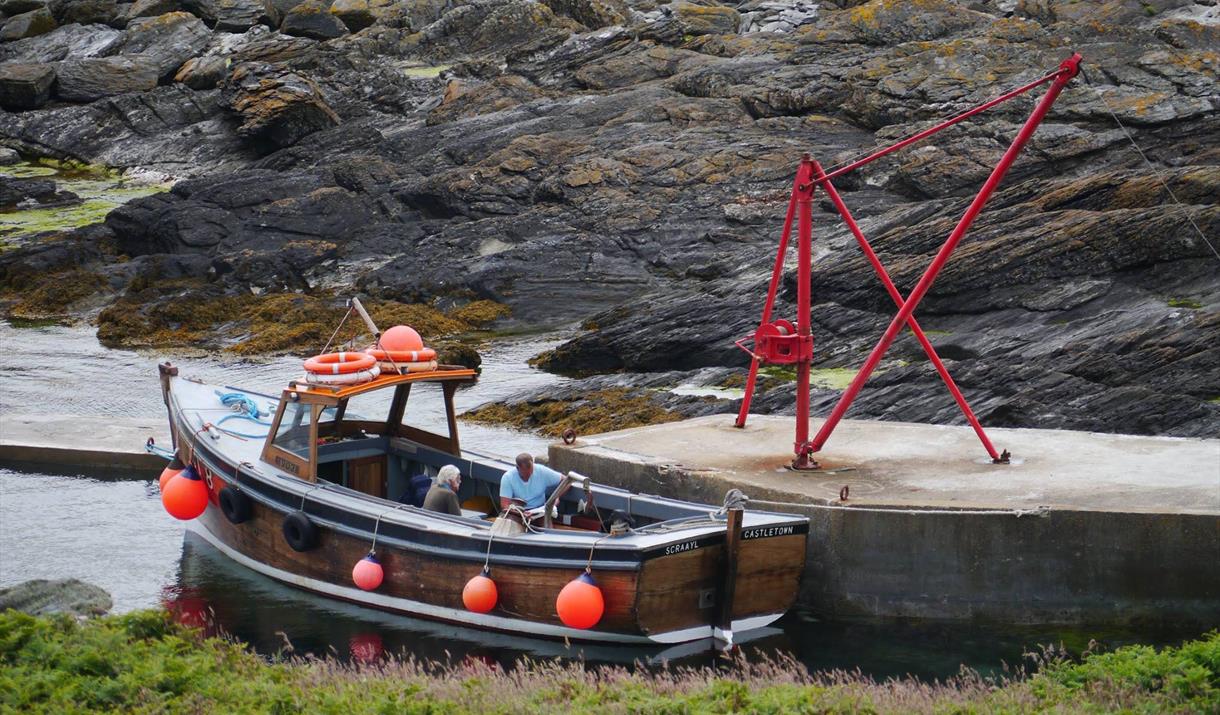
706,19
277,107
625,166
41,597
28,24
25,86
203,72
91,79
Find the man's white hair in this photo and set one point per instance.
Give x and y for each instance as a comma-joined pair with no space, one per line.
448,475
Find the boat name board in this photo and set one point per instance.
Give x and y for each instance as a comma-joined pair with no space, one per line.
763,532
760,532
286,465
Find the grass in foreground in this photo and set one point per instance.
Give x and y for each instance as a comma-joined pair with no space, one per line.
143,662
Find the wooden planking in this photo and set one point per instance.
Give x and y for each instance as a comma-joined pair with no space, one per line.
368,475
768,575
526,593
670,587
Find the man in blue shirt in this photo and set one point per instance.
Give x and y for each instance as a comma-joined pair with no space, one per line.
528,483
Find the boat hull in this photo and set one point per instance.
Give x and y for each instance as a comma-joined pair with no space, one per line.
663,591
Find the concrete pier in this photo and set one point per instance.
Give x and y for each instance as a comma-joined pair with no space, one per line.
90,442
1079,528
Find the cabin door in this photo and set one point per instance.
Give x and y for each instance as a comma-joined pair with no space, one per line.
368,475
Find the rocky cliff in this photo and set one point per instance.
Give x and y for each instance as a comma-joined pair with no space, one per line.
624,164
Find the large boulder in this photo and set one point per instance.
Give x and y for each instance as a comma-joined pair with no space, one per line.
28,24
313,19
170,39
25,86
74,41
277,106
359,14
234,15
203,72
91,79
41,597
241,15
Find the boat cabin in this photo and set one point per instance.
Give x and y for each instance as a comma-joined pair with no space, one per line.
315,436
358,438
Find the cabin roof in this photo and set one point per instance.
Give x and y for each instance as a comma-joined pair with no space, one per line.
443,373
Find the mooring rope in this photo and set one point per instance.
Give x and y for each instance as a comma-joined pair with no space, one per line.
1040,511
1151,167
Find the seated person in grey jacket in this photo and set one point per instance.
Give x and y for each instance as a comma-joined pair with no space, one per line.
442,496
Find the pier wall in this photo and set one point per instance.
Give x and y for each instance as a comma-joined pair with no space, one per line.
1067,566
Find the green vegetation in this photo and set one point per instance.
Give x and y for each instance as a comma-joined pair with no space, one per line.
143,662
1185,303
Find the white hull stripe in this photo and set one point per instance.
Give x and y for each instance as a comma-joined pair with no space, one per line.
500,623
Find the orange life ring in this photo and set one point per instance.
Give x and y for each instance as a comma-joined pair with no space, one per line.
422,355
339,363
403,368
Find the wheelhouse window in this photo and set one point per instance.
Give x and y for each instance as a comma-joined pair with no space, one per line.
293,433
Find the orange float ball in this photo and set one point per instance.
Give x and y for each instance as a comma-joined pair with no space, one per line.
401,337
170,472
185,495
580,603
480,594
368,574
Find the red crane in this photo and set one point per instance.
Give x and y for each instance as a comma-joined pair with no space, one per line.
780,342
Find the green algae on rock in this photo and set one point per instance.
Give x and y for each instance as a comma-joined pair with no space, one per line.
100,188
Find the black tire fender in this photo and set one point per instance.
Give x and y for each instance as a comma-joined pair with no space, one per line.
300,532
236,505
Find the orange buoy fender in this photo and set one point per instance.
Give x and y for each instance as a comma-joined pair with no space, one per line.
401,356
403,368
185,496
339,363
480,594
580,604
366,647
171,471
368,574
401,337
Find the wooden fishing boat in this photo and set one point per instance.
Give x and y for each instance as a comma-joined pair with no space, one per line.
312,499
